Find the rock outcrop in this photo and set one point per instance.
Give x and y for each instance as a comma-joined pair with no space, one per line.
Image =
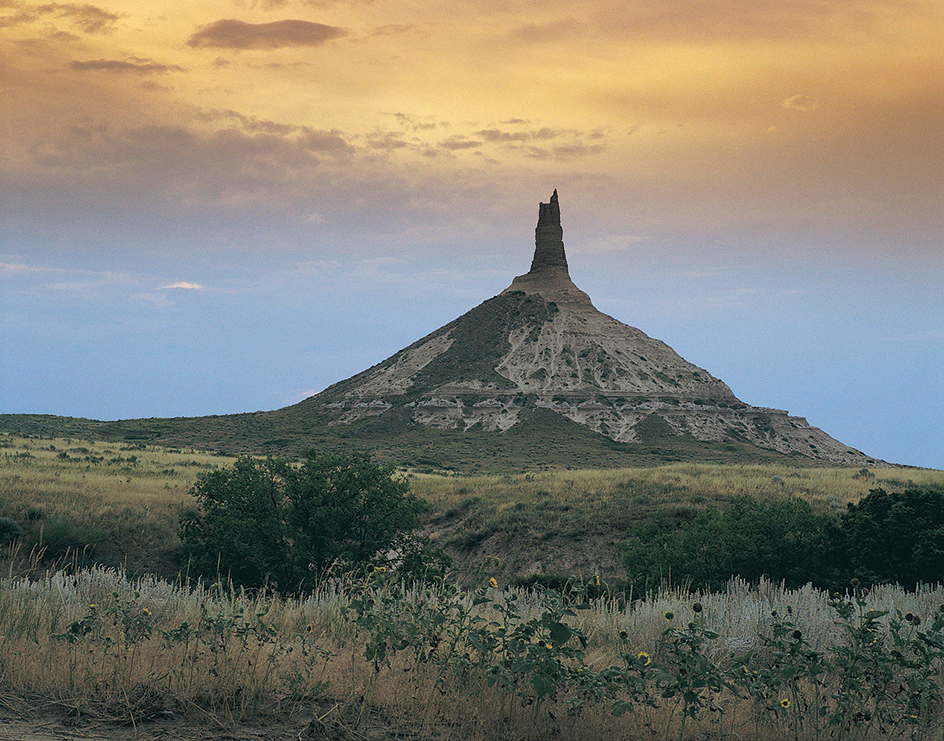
541,344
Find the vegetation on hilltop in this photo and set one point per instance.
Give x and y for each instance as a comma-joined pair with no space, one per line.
542,440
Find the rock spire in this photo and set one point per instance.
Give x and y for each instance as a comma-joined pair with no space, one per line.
540,348
549,238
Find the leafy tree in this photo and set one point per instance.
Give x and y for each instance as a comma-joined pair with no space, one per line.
895,537
284,525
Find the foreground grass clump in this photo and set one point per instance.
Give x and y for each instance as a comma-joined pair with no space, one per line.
436,661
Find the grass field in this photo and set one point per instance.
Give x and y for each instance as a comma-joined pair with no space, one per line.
377,659
118,503
110,502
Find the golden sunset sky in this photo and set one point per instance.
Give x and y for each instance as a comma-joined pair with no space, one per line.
736,177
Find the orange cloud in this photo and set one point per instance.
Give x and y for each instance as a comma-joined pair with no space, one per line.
230,33
800,103
137,65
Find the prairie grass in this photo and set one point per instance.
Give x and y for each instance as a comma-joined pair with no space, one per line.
569,523
118,504
115,503
97,643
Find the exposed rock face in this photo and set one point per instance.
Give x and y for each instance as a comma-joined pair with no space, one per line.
542,344
549,238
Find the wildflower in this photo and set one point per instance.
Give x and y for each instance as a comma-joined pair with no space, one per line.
596,577
548,646
382,569
92,607
502,628
146,611
493,582
785,703
669,615
645,658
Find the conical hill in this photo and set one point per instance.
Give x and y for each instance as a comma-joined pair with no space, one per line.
541,345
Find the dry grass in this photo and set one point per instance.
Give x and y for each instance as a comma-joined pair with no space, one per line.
100,644
117,503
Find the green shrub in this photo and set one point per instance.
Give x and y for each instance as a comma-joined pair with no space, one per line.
885,537
283,525
61,537
9,530
895,537
782,540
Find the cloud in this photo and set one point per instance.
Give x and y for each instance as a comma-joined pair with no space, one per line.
417,123
135,65
560,30
391,29
455,143
264,4
800,103
89,18
230,33
497,135
186,285
675,20
7,268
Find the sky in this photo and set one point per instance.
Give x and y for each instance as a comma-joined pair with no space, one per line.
224,206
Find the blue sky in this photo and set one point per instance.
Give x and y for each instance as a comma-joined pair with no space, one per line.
232,207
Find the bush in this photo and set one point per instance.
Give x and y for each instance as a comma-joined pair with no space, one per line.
283,525
9,530
783,540
895,537
885,537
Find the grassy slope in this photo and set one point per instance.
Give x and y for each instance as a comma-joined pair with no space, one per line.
545,440
68,492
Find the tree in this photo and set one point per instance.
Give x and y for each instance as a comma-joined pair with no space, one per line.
284,525
896,537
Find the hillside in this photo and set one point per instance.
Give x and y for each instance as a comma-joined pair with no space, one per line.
533,378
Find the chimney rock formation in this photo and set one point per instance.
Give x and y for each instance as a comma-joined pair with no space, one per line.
542,345
549,238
